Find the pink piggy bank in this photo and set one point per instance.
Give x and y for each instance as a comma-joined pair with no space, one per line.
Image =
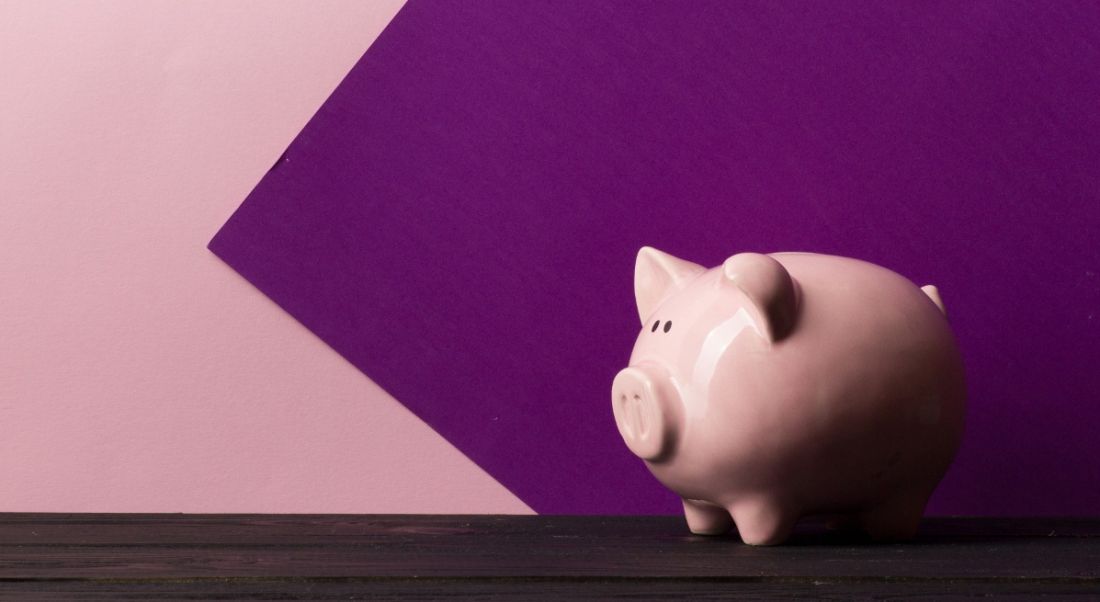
780,386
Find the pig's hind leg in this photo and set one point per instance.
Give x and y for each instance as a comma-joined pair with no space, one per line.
895,519
705,518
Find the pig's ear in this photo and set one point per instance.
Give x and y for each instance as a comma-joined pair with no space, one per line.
770,290
656,276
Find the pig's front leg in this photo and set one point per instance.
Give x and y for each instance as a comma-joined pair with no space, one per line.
763,522
705,518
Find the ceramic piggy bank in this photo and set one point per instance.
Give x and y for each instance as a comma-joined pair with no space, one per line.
774,387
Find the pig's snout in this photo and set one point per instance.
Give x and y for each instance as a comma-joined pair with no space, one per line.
646,408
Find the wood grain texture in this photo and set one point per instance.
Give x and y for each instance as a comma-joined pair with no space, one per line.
135,556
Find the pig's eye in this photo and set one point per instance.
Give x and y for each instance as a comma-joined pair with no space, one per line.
655,325
668,325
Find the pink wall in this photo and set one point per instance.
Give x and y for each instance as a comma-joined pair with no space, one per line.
137,372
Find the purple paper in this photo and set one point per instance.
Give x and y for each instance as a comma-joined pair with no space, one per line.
460,218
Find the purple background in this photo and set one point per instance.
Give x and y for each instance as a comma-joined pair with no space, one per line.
460,219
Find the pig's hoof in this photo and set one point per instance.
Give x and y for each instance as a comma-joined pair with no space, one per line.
763,523
644,411
705,518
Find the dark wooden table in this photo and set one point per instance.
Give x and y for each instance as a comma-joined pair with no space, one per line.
182,556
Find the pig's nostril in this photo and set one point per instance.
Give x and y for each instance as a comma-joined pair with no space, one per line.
640,417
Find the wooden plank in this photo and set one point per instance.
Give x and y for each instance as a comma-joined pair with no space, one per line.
133,529
413,559
391,557
536,590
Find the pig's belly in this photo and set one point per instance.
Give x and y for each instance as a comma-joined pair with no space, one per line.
841,463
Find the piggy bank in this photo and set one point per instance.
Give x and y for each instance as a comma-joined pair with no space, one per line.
775,387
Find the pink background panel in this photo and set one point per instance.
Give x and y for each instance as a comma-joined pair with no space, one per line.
137,371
